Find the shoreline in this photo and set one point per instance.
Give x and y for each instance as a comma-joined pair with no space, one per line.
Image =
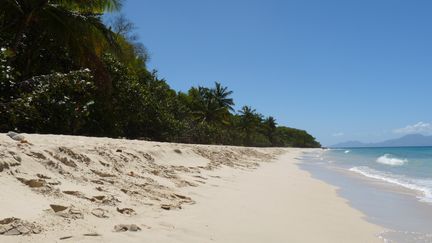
266,205
177,193
394,207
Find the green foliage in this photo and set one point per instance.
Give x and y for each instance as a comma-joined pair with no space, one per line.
209,105
141,105
43,44
55,103
94,6
291,137
7,82
36,28
6,74
269,127
249,124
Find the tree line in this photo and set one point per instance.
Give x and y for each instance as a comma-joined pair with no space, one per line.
64,70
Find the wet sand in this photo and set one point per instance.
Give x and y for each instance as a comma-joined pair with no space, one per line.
396,208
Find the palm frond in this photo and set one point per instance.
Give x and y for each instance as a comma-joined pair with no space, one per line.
83,34
90,6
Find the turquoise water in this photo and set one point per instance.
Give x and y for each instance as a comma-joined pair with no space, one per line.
408,167
392,187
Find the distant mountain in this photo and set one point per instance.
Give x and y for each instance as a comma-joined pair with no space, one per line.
405,141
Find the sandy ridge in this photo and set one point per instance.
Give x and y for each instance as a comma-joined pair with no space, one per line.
117,190
102,181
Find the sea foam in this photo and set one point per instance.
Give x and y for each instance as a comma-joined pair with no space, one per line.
424,186
388,159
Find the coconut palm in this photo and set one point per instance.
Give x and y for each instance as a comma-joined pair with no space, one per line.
202,105
211,105
269,125
75,25
221,95
249,122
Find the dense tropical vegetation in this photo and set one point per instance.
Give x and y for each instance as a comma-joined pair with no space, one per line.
63,69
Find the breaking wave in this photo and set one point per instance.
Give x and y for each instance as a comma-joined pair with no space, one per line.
388,159
424,186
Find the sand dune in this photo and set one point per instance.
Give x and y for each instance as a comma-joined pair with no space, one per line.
80,189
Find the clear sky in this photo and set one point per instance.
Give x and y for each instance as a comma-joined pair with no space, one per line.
340,69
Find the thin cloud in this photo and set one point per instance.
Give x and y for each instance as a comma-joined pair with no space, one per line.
419,127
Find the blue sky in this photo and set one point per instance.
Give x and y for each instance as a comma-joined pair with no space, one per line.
342,70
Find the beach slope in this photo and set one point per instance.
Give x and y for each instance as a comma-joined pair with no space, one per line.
80,189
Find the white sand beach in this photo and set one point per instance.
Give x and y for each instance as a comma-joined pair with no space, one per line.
116,190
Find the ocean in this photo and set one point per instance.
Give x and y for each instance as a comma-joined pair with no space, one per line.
408,167
391,186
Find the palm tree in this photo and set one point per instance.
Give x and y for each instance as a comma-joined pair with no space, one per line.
221,95
249,122
203,106
269,125
211,105
75,25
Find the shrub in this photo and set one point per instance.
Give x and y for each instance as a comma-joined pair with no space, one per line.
55,103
